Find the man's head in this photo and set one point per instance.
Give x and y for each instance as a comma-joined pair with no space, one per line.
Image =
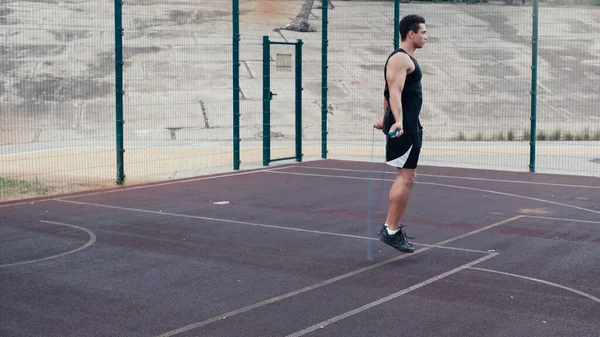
412,29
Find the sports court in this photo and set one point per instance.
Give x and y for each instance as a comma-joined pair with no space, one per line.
291,250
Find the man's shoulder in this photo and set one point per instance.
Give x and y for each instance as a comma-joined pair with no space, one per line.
401,60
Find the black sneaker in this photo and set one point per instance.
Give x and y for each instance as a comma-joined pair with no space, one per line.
398,240
383,230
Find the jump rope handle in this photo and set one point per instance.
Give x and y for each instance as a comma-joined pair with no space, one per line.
391,134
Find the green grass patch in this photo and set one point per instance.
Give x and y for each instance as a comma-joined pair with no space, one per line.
569,136
586,134
541,135
478,136
556,135
511,135
498,136
10,188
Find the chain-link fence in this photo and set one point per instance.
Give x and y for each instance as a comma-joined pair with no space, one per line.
568,89
196,98
477,84
56,97
177,76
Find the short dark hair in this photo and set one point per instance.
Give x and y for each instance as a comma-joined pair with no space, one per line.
408,23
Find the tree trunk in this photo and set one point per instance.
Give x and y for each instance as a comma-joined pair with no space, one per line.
300,23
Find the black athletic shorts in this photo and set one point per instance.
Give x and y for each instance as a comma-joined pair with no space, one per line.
403,152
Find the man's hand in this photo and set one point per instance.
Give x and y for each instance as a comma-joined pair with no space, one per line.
397,126
379,124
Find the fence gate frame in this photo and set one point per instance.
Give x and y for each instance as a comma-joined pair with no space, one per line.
268,96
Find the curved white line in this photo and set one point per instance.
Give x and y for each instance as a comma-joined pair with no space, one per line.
513,195
578,292
89,243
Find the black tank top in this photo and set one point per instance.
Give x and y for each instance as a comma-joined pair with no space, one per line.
412,98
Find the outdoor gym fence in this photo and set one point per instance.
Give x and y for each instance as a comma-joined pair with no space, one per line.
94,93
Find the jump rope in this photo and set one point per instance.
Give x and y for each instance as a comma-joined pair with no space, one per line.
370,204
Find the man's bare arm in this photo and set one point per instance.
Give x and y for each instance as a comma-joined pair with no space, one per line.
396,76
379,124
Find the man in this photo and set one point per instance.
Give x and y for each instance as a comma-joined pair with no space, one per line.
402,104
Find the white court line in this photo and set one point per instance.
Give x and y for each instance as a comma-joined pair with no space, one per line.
183,181
137,187
257,224
446,185
562,219
454,177
329,281
89,243
25,202
388,298
578,292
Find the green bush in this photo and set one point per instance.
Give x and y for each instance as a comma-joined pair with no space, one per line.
499,136
541,135
569,136
586,134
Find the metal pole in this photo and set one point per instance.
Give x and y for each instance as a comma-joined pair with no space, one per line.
299,101
324,44
534,54
396,24
266,101
236,84
119,31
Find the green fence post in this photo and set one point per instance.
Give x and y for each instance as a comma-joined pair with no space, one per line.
324,44
299,100
119,31
396,24
266,101
534,54
236,84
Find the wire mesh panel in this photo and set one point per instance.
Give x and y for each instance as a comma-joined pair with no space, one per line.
361,37
56,97
476,81
277,19
568,109
58,84
177,78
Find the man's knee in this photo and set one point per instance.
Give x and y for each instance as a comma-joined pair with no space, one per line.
412,177
408,177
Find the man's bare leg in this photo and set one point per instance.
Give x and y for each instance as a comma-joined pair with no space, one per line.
399,196
391,233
